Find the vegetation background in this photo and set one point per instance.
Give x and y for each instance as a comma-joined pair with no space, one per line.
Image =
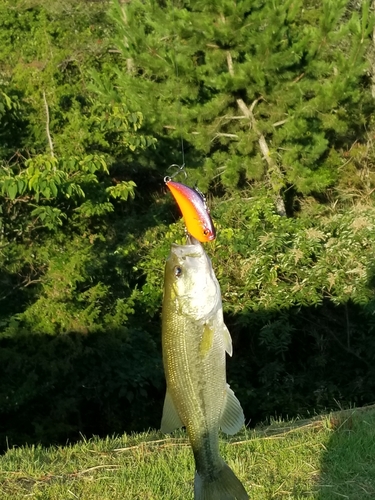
274,107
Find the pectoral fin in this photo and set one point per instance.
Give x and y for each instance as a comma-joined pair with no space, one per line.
227,339
170,420
232,417
207,339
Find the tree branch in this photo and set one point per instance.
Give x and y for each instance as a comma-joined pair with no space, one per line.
275,175
221,134
248,112
47,124
129,60
227,117
172,127
281,122
230,64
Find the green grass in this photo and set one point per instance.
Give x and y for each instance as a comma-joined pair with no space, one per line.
325,458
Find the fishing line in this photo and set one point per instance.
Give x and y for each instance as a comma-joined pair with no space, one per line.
179,119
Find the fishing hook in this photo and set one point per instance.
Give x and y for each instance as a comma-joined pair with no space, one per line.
180,169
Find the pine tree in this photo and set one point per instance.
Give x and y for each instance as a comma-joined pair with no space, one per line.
261,90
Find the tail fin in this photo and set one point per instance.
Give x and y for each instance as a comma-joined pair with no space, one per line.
225,487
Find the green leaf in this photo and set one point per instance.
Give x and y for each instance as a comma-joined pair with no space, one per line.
12,190
34,180
47,192
21,186
53,188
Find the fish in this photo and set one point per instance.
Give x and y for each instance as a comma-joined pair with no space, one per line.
194,210
195,341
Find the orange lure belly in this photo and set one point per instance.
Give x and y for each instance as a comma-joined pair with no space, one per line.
194,210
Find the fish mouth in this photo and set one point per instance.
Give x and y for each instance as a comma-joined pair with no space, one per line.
190,240
192,248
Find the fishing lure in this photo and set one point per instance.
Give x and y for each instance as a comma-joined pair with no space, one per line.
194,210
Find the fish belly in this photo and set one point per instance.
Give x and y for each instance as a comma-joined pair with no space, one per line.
195,373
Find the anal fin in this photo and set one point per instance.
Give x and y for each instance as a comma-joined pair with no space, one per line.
232,417
170,420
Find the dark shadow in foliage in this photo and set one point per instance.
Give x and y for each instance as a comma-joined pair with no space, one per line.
13,126
302,360
347,463
53,389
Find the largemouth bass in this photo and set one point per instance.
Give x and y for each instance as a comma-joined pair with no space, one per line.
195,340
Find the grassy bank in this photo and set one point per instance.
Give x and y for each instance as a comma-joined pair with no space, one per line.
326,458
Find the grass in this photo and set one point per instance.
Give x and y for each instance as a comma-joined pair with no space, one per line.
325,458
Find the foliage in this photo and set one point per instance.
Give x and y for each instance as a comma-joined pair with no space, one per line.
265,92
63,170
83,175
88,132
54,388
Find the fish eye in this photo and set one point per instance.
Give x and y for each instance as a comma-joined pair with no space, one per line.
177,271
206,232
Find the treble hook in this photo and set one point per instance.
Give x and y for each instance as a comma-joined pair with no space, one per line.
180,169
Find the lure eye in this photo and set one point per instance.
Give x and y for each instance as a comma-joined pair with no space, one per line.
177,271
